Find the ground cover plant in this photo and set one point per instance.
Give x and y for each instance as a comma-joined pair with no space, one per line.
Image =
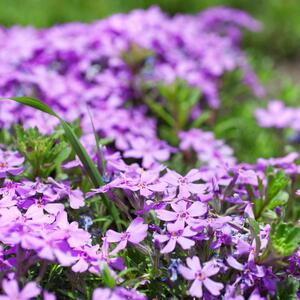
140,160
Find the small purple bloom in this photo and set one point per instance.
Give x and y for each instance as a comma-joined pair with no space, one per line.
185,183
201,275
183,212
10,163
13,292
135,233
177,233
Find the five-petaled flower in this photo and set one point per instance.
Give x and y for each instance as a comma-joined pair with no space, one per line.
10,163
185,183
135,233
201,275
177,233
13,292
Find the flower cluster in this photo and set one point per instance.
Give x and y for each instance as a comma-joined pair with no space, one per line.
217,153
219,228
75,66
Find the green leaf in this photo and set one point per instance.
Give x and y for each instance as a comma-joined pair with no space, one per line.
107,279
257,207
260,187
276,183
280,199
284,238
204,116
287,289
87,162
73,139
269,216
275,195
255,230
101,160
43,154
158,109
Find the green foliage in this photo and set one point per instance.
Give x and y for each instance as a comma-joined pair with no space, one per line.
43,153
136,56
276,183
287,290
274,195
284,238
255,230
179,99
173,104
107,279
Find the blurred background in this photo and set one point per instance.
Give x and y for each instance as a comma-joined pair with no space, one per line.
280,38
274,53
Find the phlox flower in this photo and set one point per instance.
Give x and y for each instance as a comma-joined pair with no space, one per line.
13,292
135,233
146,182
8,192
150,151
10,163
118,293
211,223
182,212
177,233
76,237
104,256
200,276
185,183
75,196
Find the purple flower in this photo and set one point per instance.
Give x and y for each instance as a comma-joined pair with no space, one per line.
185,183
149,183
135,233
13,292
276,115
209,150
146,182
75,196
8,191
177,233
118,293
75,236
183,212
149,151
10,163
104,257
250,272
49,296
210,223
201,275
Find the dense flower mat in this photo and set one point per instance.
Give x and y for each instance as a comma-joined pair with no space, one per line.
177,215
